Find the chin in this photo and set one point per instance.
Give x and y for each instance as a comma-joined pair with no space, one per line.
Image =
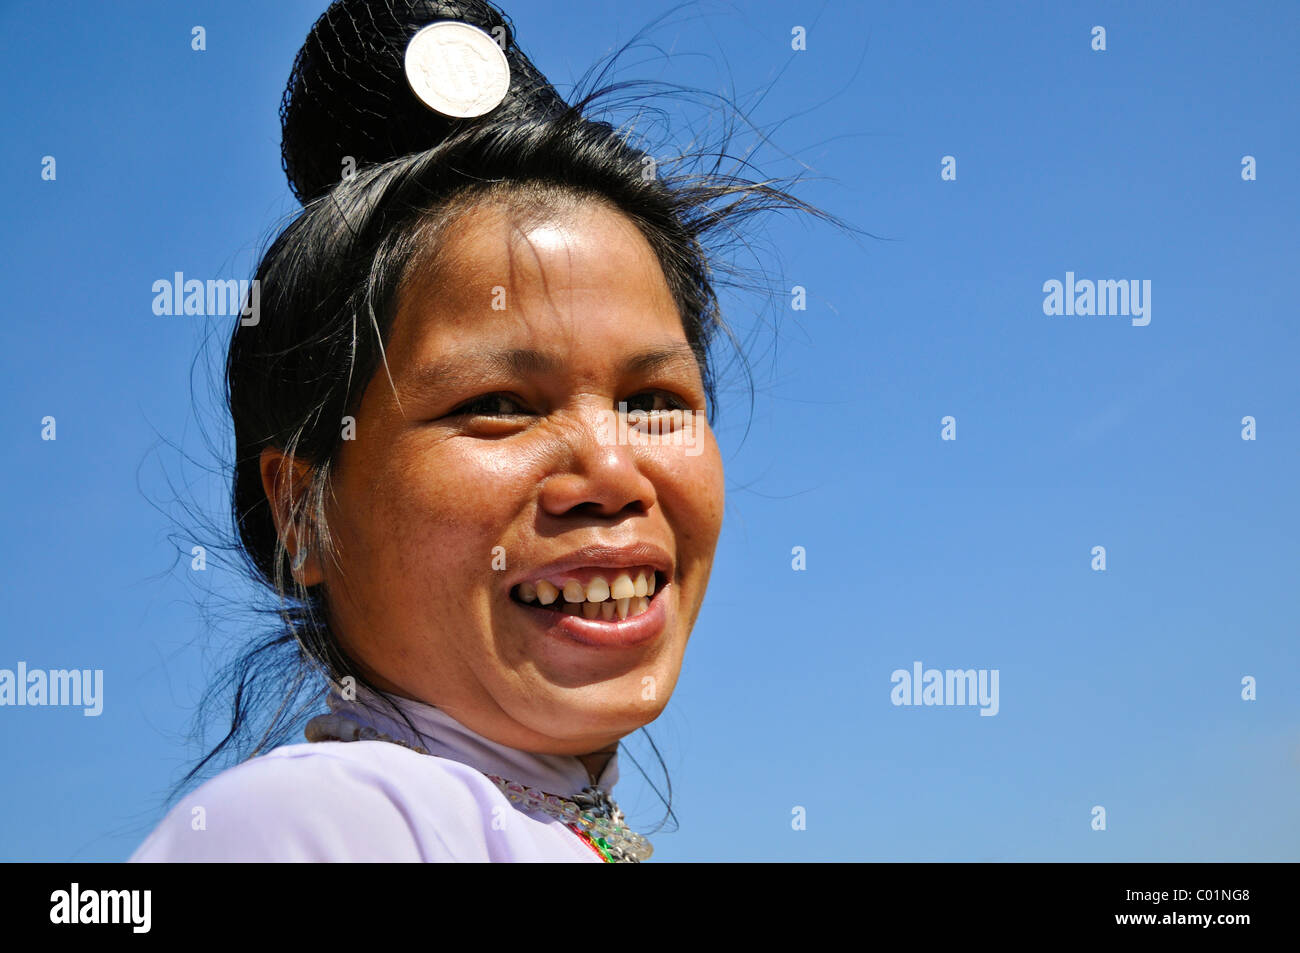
597,719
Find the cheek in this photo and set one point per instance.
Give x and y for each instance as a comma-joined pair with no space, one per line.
691,491
448,505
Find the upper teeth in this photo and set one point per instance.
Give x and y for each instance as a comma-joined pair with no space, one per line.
621,595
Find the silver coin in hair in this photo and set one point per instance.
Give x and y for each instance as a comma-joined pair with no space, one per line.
457,69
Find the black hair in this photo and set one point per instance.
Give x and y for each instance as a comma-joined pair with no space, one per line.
381,176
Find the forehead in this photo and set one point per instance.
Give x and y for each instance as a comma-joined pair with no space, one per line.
582,275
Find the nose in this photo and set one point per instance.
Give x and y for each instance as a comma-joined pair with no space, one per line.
597,473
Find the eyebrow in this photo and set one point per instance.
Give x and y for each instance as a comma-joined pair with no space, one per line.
469,368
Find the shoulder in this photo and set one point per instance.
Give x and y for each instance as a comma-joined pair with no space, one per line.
329,801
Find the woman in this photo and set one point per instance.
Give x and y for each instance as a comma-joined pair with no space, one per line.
473,455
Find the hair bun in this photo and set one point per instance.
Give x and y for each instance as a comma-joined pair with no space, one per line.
348,94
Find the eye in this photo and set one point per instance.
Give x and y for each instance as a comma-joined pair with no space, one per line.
490,405
657,402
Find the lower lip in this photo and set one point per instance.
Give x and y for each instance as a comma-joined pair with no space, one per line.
597,633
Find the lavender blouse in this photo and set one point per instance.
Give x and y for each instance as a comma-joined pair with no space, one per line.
378,801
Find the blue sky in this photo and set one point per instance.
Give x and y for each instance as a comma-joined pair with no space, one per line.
1119,688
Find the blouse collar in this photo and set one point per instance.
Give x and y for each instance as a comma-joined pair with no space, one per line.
445,737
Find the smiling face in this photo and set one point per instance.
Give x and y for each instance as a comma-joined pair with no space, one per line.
497,463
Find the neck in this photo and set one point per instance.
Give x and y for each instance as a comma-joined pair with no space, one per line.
442,735
596,761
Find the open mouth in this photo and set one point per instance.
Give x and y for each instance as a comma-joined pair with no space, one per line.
610,596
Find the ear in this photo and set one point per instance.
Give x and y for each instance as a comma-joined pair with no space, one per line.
284,480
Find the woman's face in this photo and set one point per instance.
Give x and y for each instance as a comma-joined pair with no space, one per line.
497,464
